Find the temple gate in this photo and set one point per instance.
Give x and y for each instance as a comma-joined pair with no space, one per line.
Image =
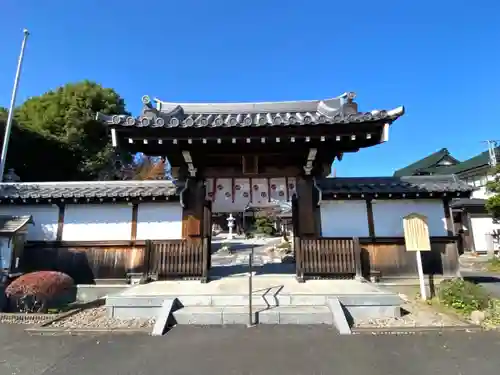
225,155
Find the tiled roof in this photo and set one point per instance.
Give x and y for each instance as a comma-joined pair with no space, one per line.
340,110
424,164
11,224
467,202
119,190
394,185
478,161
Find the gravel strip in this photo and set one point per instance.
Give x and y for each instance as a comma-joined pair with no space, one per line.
419,315
97,318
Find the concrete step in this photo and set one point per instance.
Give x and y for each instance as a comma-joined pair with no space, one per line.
222,315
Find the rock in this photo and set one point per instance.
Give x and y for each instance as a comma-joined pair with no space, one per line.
477,316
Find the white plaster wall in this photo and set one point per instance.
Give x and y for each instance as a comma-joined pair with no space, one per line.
479,183
159,221
481,226
388,216
97,222
44,216
5,253
344,219
481,193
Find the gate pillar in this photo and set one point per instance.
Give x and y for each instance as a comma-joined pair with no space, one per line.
192,213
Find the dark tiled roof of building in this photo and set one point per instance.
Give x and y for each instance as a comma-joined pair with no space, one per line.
478,161
426,164
119,190
468,202
11,224
394,185
339,110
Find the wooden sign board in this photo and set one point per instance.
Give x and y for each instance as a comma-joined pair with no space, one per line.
416,231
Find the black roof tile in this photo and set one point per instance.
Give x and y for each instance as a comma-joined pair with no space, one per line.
87,189
11,224
340,110
393,185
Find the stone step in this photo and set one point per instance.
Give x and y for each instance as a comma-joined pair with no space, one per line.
222,315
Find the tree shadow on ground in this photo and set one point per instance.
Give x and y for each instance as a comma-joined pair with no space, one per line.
478,279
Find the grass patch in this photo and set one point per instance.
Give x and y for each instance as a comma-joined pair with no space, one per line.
493,265
463,297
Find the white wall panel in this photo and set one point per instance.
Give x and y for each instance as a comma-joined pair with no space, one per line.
97,222
344,219
388,216
159,221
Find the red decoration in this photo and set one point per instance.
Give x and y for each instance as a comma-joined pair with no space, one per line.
245,194
220,187
228,194
256,187
281,193
273,186
237,187
263,194
291,186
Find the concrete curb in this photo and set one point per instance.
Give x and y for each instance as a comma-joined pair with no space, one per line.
414,330
339,317
161,324
76,331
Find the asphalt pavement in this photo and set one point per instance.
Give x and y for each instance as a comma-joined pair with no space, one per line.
270,350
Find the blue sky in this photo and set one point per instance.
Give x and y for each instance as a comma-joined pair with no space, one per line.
438,58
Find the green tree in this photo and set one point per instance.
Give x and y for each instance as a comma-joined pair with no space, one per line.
34,157
67,115
493,203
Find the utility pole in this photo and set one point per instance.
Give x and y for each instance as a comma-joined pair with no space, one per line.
492,151
8,125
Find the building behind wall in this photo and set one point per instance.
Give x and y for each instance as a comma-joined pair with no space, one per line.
479,230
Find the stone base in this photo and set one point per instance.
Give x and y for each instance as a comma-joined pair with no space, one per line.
284,301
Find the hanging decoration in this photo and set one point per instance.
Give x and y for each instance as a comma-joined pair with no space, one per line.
245,194
237,187
228,194
263,194
220,187
256,187
273,186
281,193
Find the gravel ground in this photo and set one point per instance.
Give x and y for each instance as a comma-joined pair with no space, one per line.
97,318
418,315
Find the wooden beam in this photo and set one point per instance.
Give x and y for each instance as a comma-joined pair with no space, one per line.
192,215
306,216
133,231
450,228
60,222
369,214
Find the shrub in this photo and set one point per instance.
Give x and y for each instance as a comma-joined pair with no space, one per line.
493,265
34,291
463,296
264,225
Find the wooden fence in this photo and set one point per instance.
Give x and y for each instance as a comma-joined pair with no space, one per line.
327,258
177,259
